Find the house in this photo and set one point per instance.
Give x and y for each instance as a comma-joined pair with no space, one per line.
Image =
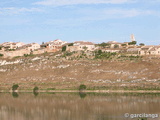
17,45
83,45
145,50
114,44
155,50
40,51
134,50
53,46
111,50
12,45
30,47
7,45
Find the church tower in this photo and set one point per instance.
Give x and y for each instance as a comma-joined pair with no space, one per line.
132,38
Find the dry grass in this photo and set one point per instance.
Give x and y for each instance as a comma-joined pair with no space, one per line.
48,72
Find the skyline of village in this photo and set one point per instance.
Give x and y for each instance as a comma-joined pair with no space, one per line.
130,38
11,49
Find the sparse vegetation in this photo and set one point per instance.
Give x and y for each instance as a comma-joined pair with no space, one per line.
11,49
104,45
28,55
103,55
67,54
51,88
48,71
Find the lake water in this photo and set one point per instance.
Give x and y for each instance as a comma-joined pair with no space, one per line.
77,106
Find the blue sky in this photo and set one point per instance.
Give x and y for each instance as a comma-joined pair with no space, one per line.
74,20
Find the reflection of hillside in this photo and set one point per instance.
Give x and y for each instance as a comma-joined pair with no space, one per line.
72,107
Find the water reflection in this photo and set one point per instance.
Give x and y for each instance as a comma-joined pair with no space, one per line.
82,94
35,93
69,106
15,94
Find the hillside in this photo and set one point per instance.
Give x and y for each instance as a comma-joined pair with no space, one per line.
49,72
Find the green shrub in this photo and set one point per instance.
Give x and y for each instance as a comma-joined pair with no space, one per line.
27,55
132,43
64,48
1,55
71,44
15,87
82,87
35,89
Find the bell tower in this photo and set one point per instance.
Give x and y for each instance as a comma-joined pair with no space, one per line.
132,38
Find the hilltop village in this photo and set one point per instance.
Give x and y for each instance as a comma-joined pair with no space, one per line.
60,65
15,49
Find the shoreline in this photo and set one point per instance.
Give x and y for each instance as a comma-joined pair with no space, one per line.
84,91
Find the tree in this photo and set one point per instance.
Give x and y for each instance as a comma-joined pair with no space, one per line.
132,43
99,52
64,48
141,44
82,87
35,89
71,44
124,45
103,45
1,55
15,87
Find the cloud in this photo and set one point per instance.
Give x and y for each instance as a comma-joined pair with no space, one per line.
116,13
13,10
89,17
75,2
121,13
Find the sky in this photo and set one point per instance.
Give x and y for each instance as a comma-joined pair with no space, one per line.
80,20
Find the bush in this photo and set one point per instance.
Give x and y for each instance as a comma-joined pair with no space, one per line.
103,45
82,87
15,87
71,44
35,89
1,55
141,44
63,48
132,43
